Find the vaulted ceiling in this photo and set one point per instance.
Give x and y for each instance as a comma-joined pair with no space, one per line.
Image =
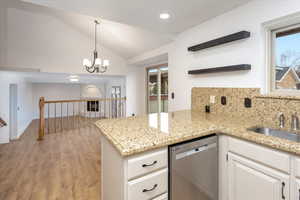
133,27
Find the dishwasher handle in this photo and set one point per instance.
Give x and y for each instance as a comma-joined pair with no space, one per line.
195,151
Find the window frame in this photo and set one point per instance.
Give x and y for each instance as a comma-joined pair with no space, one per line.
271,28
273,62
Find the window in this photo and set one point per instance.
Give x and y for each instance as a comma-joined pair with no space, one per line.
285,63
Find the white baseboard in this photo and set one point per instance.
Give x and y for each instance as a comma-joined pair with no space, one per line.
22,129
4,140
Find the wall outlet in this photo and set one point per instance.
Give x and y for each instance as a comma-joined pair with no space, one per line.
223,100
247,103
212,99
207,109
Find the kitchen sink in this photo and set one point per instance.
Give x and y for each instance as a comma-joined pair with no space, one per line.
276,133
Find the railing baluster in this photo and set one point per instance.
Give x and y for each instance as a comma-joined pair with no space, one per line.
73,116
84,107
95,110
79,114
89,111
78,104
119,108
54,117
102,110
48,120
61,116
123,108
109,111
67,126
110,108
99,110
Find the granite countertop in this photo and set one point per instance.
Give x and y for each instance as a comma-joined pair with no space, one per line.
134,135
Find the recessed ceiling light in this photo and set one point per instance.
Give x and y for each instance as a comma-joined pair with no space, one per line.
73,76
74,79
164,15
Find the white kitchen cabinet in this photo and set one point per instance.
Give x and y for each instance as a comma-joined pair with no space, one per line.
297,190
149,186
162,197
146,163
139,177
248,180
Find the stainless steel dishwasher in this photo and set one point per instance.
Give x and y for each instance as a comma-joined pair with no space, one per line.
194,169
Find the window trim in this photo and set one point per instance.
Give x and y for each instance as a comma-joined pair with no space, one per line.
270,29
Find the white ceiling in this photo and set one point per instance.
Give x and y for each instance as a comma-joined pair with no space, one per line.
131,27
145,13
125,40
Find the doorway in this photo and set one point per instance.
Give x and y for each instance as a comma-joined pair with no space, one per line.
13,111
157,89
116,104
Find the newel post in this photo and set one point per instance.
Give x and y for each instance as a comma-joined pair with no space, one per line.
42,118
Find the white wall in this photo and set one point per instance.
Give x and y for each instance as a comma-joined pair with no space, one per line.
54,91
34,37
2,32
136,91
24,103
251,51
93,91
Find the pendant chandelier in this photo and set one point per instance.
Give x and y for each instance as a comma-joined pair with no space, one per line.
97,65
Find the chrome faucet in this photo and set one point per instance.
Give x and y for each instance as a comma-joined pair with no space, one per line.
281,120
295,122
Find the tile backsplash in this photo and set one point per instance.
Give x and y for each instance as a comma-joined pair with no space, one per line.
263,111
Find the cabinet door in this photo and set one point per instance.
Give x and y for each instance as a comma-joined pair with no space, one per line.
297,192
249,180
162,197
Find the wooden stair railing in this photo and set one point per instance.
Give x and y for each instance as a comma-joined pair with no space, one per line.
61,115
42,118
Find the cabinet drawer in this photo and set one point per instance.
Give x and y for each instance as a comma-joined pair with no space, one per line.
267,156
148,187
162,197
146,163
297,167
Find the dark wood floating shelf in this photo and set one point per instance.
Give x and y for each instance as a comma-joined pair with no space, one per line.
221,69
223,40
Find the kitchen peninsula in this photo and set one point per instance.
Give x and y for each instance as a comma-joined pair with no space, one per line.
128,144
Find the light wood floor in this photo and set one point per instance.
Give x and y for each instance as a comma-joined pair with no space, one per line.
64,166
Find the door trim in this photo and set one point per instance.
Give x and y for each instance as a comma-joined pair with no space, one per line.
13,111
